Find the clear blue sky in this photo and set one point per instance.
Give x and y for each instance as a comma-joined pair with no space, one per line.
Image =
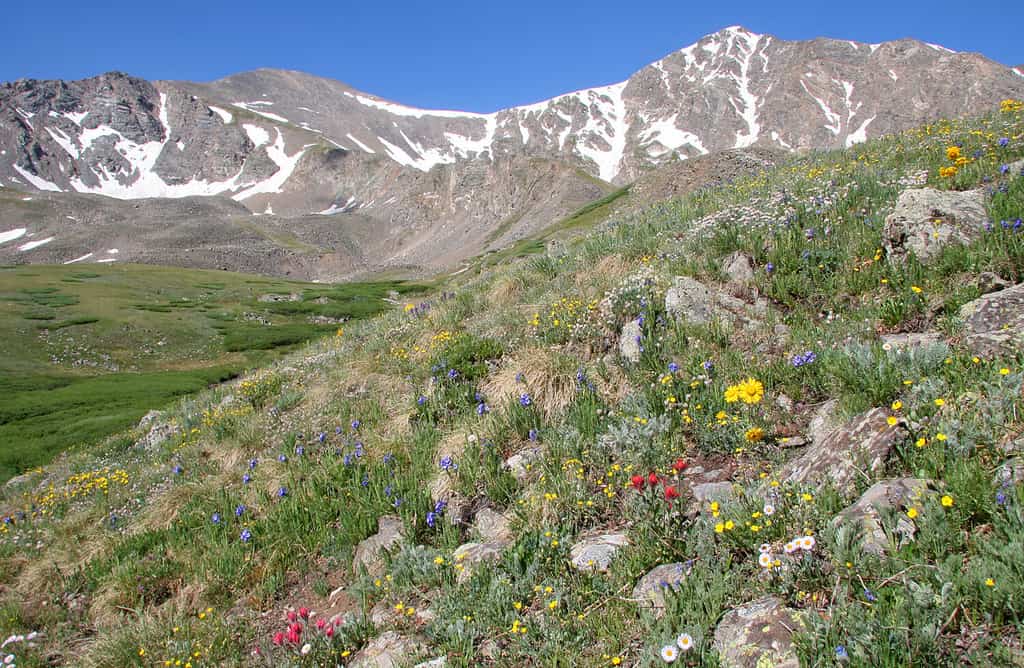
478,55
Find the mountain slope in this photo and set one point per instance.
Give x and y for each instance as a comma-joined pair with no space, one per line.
292,144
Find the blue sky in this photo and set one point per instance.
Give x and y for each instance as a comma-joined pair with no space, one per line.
478,55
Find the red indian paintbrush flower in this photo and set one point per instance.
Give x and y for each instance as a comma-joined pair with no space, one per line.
652,478
638,481
679,466
671,493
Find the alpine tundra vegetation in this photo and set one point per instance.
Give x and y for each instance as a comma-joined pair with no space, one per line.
755,425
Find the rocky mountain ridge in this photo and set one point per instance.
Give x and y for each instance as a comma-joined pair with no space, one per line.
438,186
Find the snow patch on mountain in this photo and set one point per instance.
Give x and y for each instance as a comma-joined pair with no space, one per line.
285,166
35,244
402,110
11,235
607,120
224,114
38,182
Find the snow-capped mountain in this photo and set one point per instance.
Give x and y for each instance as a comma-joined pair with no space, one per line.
292,144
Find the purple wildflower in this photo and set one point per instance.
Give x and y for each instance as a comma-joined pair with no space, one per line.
246,535
524,399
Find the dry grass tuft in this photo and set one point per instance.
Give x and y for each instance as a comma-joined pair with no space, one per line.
611,270
548,376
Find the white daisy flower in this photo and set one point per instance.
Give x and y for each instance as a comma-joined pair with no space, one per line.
768,509
669,654
765,560
685,642
807,543
765,547
791,547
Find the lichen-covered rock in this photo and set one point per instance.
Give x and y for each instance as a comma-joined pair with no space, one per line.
690,300
898,494
493,526
157,430
926,220
649,591
994,323
629,341
596,552
758,634
861,445
520,465
706,492
911,340
388,650
370,552
468,556
739,267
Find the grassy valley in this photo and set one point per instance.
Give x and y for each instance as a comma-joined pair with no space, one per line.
87,350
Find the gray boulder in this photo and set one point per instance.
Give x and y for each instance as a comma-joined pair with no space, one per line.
493,527
595,553
862,444
370,552
925,221
470,555
994,323
739,268
629,341
758,634
898,494
690,300
389,650
649,591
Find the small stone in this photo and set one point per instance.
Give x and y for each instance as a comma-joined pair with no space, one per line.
493,527
739,267
370,552
520,465
595,553
758,634
629,341
897,494
994,324
649,591
470,555
389,650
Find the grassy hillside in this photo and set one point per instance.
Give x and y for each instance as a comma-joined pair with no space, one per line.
514,394
88,350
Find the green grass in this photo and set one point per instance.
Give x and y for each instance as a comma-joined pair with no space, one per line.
41,416
156,332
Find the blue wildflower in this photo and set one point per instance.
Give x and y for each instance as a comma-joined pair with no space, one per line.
387,491
365,482
299,450
355,424
482,409
282,491
431,519
246,535
769,268
215,518
448,464
253,462
532,435
422,400
673,367
841,654
246,479
177,470
282,458
322,437
870,595
520,377
524,399
239,510
1004,141
1004,169
709,366
452,374
803,359
1001,497
389,458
